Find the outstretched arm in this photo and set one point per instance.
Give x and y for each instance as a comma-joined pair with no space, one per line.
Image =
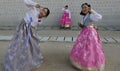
30,3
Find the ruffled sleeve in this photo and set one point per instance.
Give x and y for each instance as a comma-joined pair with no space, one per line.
95,17
30,3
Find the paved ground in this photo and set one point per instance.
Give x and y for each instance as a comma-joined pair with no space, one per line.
56,53
102,27
65,35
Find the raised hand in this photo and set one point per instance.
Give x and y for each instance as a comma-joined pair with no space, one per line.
37,6
93,11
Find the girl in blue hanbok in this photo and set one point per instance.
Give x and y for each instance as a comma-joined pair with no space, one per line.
24,53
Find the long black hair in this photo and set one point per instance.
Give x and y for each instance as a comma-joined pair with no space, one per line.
81,13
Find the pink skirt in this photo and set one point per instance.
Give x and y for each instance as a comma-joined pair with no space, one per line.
65,19
87,52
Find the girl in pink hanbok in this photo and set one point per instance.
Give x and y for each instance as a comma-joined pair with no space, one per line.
87,52
66,18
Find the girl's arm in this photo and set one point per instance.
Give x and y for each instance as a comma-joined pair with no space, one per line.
95,16
69,14
30,3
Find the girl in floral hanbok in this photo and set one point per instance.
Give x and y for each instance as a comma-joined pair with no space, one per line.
87,52
24,52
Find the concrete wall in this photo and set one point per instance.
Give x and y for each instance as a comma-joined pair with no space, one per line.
12,11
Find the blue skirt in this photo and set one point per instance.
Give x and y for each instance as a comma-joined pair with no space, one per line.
23,54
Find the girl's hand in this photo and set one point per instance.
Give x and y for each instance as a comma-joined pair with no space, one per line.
96,27
81,25
37,6
93,11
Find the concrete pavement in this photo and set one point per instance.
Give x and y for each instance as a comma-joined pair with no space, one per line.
56,54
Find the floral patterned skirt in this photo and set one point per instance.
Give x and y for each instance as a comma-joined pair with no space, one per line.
65,19
87,52
23,55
